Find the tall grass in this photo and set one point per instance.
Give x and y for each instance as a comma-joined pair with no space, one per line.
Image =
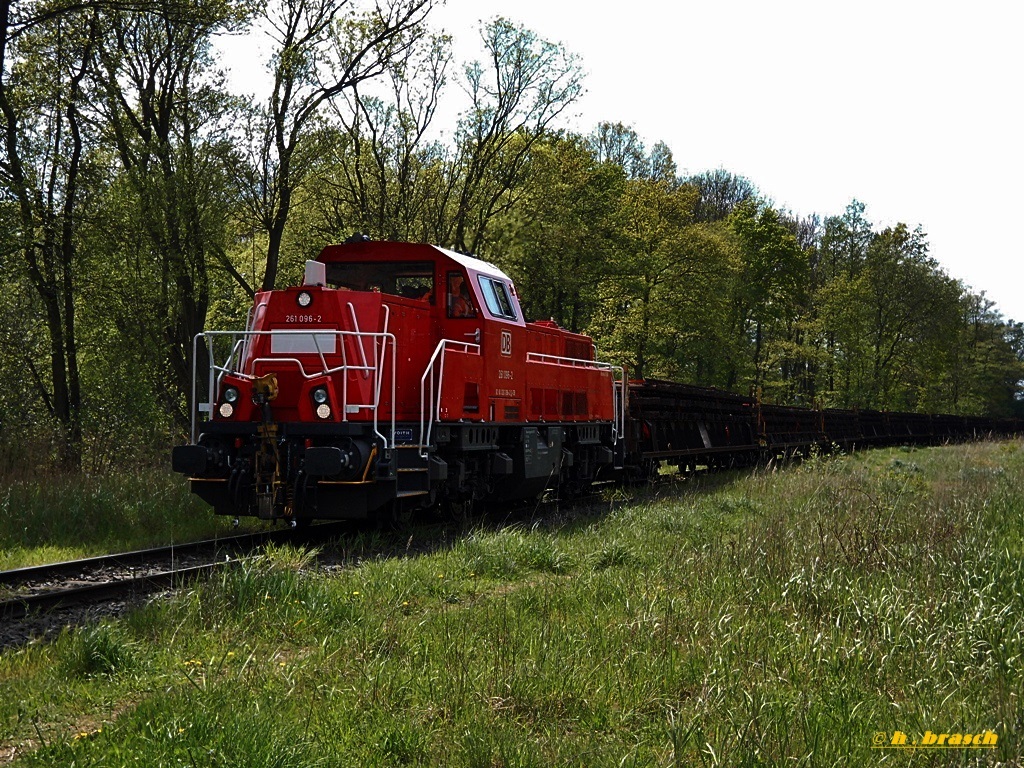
76,515
775,618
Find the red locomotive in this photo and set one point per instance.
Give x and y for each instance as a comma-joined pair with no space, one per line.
397,376
400,376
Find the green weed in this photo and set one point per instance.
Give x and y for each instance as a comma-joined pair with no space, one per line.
94,651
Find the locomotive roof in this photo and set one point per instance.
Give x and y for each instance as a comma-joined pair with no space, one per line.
474,264
385,249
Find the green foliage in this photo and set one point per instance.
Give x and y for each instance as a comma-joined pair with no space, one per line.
720,193
899,334
770,294
658,274
557,245
47,518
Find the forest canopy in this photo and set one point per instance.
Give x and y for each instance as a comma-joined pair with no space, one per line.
141,201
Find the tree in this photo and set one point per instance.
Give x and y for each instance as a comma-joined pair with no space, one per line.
557,243
719,193
658,271
166,118
909,301
663,164
380,174
698,347
772,287
620,145
845,242
890,320
835,266
320,53
41,101
512,106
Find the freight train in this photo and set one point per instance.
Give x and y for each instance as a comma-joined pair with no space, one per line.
401,376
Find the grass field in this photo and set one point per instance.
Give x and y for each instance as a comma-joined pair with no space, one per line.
804,616
74,516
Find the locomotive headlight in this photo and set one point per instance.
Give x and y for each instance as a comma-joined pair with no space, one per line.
231,395
226,409
323,411
320,395
305,298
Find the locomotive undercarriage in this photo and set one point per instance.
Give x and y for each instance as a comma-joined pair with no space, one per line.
296,472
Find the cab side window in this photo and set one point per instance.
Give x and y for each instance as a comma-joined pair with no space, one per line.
415,286
497,298
460,302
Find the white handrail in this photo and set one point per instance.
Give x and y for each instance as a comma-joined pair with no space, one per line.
540,357
427,425
252,321
618,382
355,325
380,357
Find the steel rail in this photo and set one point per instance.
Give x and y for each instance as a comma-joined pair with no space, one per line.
19,605
28,574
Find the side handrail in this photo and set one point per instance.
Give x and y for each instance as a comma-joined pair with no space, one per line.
237,352
574,362
381,356
253,319
619,386
436,384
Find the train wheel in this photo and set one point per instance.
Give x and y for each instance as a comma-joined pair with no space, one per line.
570,490
396,516
461,511
646,471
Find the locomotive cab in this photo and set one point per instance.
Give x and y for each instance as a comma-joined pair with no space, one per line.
397,376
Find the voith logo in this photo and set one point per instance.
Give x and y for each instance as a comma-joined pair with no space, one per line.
506,343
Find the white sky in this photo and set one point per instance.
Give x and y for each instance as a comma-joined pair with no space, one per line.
910,106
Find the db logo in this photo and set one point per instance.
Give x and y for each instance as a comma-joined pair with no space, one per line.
506,343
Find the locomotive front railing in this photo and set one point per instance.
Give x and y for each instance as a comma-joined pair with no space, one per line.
316,345
355,326
618,384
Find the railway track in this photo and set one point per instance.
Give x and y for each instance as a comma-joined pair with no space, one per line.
36,589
